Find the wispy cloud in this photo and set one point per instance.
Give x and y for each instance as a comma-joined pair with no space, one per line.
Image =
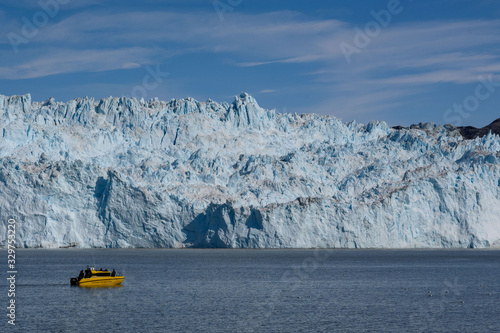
406,59
298,60
90,36
278,37
60,61
34,5
267,91
400,61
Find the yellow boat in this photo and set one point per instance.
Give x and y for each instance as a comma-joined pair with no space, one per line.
97,278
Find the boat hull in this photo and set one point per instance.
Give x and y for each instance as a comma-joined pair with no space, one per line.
101,281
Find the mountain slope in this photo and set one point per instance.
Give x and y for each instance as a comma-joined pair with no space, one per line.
470,132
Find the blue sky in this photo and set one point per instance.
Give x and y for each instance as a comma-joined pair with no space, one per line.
421,61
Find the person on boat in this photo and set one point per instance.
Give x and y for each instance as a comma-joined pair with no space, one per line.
81,275
88,272
113,273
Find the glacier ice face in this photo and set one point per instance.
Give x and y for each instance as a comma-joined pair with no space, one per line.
126,173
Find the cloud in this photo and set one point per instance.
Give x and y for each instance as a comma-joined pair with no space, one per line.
298,60
401,61
406,60
130,65
267,91
285,36
65,5
61,61
280,37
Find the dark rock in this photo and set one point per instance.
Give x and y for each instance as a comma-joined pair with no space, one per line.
470,132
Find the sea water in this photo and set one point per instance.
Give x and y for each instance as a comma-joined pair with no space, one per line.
215,290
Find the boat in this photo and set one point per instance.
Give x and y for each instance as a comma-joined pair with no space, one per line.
97,278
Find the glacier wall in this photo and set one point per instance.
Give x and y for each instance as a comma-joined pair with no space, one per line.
132,173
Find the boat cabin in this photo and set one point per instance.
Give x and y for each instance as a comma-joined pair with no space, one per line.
100,273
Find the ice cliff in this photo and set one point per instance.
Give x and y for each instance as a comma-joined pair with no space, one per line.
132,173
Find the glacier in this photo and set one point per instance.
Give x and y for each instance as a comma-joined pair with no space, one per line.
122,172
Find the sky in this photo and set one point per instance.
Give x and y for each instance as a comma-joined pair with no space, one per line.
400,61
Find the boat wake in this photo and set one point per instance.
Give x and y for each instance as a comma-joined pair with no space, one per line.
42,285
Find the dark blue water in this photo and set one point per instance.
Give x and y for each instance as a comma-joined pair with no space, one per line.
259,291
